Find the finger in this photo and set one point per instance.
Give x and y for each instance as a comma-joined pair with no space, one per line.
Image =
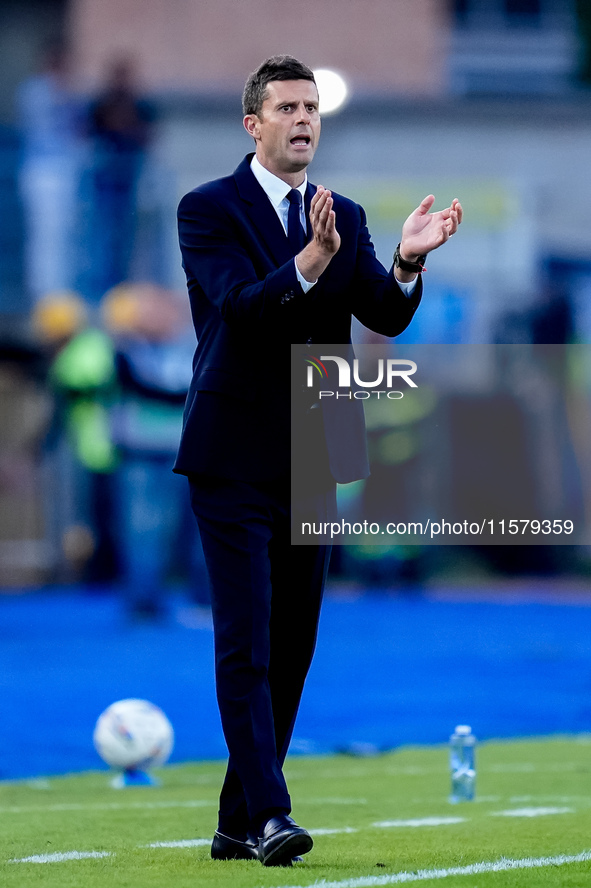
316,197
318,202
327,207
455,210
324,212
425,205
331,222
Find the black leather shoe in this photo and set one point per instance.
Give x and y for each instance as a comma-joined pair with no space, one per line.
225,848
281,841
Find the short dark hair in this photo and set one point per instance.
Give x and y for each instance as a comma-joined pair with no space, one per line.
280,67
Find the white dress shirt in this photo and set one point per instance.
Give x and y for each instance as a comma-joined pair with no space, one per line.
277,190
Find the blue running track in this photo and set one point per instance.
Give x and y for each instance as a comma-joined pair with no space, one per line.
388,671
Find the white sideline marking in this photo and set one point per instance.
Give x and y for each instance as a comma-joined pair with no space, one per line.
515,768
196,843
333,832
530,767
181,843
497,866
60,855
335,800
555,799
108,806
423,821
531,812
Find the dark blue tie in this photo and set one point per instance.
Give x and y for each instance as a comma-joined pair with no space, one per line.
295,233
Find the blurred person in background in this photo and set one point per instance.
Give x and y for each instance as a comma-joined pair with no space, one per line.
25,408
51,127
120,129
153,348
79,454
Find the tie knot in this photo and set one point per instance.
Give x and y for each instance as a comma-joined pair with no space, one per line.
294,197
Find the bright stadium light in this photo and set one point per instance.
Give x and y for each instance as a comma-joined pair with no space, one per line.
332,90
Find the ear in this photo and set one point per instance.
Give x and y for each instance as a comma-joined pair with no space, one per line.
252,125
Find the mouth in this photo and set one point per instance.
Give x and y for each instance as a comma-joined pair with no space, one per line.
300,141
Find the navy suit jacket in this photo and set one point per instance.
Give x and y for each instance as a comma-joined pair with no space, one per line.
248,308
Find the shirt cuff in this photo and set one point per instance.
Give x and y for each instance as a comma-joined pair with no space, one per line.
305,285
407,288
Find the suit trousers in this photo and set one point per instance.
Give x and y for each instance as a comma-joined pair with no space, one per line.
266,596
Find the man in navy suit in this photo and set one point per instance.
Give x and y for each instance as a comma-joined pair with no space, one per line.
272,260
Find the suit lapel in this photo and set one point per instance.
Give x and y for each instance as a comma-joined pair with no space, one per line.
261,213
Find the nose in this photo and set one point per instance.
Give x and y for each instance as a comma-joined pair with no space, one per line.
303,114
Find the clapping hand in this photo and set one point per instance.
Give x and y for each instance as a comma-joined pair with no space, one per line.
424,231
326,240
323,221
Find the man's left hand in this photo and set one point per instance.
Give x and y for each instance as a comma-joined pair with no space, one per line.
424,231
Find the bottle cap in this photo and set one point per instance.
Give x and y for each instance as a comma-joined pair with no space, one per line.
463,729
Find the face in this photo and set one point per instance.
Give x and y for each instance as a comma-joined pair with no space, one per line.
288,128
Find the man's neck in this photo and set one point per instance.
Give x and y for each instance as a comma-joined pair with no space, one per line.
294,180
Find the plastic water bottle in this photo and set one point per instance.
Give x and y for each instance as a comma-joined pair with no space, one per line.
462,764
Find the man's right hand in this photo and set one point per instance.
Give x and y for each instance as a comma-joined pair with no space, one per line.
326,240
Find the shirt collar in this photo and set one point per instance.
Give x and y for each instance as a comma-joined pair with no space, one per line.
274,187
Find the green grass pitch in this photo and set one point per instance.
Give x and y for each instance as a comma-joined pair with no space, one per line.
376,821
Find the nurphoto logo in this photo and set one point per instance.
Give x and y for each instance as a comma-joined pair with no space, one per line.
387,373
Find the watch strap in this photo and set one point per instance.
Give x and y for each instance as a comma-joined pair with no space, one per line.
405,265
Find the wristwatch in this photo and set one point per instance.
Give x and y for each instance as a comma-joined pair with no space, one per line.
416,267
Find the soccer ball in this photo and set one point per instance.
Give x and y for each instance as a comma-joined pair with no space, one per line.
133,735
